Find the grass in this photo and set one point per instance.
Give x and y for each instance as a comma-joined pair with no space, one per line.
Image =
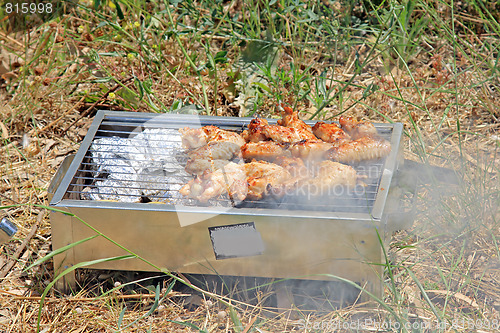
431,65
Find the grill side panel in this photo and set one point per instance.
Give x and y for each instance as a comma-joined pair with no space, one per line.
61,226
293,247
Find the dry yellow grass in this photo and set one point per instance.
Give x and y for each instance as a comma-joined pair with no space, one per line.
47,105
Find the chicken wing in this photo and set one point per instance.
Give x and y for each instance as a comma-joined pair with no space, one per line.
294,165
198,166
330,132
262,176
198,137
357,129
253,133
364,148
263,150
333,173
193,137
290,119
260,130
310,149
281,134
215,151
329,175
231,180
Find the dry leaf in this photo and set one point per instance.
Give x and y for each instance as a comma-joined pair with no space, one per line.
39,70
73,68
55,162
5,132
458,296
47,144
82,132
9,76
3,69
32,149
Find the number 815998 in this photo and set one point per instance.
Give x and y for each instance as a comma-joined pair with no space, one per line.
28,8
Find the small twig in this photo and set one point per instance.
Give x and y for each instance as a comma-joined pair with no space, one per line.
10,39
10,199
90,108
21,248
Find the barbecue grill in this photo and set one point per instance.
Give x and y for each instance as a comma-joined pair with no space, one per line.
124,181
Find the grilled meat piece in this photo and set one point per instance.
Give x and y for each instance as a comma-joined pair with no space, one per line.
193,137
263,150
239,181
216,134
231,180
294,165
198,166
253,134
357,129
364,148
260,130
262,176
215,151
328,175
310,149
290,119
333,173
198,137
330,132
281,134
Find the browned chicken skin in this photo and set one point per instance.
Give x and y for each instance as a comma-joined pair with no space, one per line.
289,129
290,119
357,129
294,165
332,173
281,134
328,175
262,176
253,133
260,130
198,137
231,180
330,132
239,181
310,149
365,148
290,145
263,150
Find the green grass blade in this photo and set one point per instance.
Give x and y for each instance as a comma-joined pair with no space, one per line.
68,270
120,318
59,251
238,326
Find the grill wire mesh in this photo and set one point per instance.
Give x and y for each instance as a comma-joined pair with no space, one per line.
143,163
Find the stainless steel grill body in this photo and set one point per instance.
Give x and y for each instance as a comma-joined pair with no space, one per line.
140,208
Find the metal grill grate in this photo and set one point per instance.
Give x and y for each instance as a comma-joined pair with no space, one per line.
133,160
